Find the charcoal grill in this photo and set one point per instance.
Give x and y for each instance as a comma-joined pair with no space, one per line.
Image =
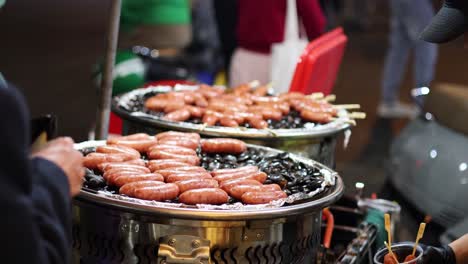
317,143
111,230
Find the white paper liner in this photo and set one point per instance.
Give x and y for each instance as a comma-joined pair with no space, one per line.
125,102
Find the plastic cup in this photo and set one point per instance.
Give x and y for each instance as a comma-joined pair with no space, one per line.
401,250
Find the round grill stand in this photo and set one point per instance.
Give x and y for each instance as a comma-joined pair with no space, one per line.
105,93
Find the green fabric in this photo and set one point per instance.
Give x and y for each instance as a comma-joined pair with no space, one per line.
154,12
129,72
376,217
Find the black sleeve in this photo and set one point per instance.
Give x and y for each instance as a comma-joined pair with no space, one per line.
34,194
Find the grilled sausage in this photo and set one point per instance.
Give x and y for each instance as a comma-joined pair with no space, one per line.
160,154
238,190
318,117
175,134
228,122
228,185
258,176
113,149
124,179
103,166
92,160
246,169
174,105
178,115
197,183
141,145
204,196
182,176
210,119
155,165
161,192
223,145
257,122
122,165
190,143
129,188
173,149
169,171
156,103
262,197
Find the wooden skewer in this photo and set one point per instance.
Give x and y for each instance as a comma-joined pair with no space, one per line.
271,132
420,234
347,106
388,228
357,115
203,126
254,83
348,121
316,96
391,252
330,98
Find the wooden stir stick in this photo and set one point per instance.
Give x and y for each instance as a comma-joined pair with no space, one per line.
391,252
420,234
388,228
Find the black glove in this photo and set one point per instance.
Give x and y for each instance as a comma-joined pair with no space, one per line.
436,255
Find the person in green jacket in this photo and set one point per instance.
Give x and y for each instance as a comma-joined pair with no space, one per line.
164,25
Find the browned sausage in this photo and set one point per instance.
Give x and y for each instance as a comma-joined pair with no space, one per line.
228,122
257,122
163,192
129,188
182,176
210,119
139,145
238,190
155,165
103,166
262,197
223,145
172,149
267,112
124,179
228,185
321,108
156,104
196,184
188,168
195,111
181,142
174,105
178,115
92,160
189,159
175,134
200,101
119,149
259,176
319,117
111,175
245,169
204,196
123,165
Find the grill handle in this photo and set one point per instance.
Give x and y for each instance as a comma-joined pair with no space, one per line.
181,249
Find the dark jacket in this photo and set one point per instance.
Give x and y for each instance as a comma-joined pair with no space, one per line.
34,193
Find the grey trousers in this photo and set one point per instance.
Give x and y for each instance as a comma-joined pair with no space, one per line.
408,19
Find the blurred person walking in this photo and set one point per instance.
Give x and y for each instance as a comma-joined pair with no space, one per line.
408,19
261,23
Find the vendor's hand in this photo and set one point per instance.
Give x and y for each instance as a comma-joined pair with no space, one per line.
460,249
61,152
